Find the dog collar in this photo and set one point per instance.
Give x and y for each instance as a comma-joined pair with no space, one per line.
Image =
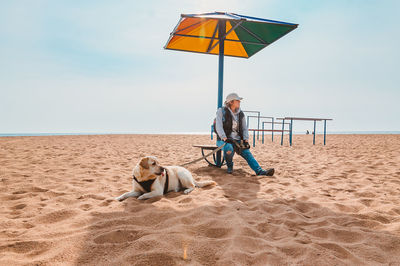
166,185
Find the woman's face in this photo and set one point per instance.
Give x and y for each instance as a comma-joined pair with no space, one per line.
235,105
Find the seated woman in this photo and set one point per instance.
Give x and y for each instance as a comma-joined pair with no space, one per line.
231,124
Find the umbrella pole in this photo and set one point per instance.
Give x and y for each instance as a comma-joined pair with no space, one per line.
221,33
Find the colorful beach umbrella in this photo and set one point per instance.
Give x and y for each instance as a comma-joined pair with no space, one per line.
225,34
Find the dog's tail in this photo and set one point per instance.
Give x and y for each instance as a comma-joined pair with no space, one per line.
204,183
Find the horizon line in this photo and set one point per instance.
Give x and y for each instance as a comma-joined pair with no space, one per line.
33,134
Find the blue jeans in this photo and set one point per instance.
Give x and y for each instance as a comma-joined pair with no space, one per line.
246,154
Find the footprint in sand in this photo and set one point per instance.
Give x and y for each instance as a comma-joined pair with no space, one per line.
118,236
293,250
107,202
263,227
85,207
186,200
338,251
396,210
380,218
365,195
216,232
346,208
149,258
92,196
13,197
346,236
28,225
38,189
366,202
319,232
56,216
19,192
18,207
31,248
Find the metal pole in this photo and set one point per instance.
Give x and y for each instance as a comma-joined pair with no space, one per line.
283,128
314,132
258,126
212,130
324,132
221,33
263,133
291,131
272,129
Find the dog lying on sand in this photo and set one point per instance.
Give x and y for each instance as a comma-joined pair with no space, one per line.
150,179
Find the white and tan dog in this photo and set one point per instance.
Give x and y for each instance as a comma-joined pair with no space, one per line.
150,179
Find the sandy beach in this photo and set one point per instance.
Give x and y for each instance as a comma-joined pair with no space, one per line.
337,204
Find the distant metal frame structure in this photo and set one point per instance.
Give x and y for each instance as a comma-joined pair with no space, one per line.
272,130
258,124
264,130
304,119
258,120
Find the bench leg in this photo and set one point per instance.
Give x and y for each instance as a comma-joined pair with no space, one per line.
218,160
215,157
210,163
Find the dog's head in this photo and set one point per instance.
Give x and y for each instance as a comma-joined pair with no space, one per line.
148,168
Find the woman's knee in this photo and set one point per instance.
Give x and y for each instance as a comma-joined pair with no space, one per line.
228,148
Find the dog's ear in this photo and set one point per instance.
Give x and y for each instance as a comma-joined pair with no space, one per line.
144,163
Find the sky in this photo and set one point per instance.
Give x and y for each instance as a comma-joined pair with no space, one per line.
99,66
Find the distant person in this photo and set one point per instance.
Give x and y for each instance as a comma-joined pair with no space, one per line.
232,129
308,132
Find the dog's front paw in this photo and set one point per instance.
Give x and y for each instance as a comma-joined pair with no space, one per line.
120,198
143,197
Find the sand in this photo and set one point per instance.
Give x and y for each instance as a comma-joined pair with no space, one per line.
326,205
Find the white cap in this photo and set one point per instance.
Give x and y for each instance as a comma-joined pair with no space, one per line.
231,97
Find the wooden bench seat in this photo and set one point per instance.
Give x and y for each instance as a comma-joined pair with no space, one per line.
206,147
